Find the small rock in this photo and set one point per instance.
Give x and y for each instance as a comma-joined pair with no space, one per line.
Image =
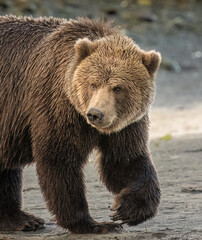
144,2
146,15
177,22
191,190
111,12
124,4
197,54
171,65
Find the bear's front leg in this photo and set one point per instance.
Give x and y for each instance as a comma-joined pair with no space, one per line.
59,166
127,170
137,202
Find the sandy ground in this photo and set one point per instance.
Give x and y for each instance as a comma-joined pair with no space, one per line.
179,167
175,122
177,109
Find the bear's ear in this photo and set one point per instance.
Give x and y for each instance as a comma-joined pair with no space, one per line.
151,61
84,47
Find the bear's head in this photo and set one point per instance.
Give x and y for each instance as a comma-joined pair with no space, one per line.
112,83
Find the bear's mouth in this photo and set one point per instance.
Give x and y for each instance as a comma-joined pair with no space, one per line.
101,125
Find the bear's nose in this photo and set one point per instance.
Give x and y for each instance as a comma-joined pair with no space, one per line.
94,115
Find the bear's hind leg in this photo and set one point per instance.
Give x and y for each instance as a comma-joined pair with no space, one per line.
12,218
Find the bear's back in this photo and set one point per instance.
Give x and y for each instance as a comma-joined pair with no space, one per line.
19,36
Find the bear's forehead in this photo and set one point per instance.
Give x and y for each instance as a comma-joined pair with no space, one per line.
111,67
120,54
118,75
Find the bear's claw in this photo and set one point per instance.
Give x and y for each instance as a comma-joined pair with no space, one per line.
21,222
95,227
109,226
118,216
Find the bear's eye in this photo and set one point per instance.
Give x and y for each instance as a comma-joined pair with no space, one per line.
117,89
93,86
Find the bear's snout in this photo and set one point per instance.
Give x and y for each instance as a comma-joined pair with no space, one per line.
101,109
95,116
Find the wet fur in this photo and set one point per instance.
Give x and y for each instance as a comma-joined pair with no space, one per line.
40,122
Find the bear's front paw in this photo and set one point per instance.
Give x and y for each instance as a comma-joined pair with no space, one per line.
134,206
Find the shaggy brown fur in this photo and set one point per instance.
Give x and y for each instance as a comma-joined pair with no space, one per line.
67,87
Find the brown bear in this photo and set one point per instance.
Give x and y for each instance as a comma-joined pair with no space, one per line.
66,88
